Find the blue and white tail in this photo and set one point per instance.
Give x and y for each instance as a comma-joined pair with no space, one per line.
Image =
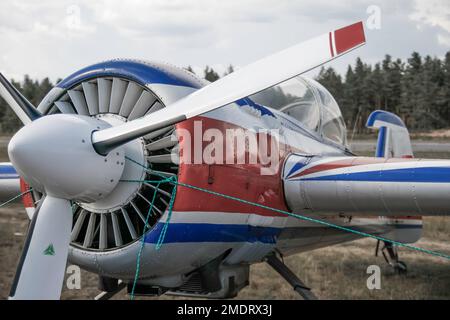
393,136
394,142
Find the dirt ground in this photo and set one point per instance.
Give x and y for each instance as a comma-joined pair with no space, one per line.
337,272
441,133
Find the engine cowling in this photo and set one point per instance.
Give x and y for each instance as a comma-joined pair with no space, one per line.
105,232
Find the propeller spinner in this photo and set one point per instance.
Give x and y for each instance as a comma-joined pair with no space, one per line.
55,156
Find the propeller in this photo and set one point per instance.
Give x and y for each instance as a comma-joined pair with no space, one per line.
40,272
244,82
23,108
69,157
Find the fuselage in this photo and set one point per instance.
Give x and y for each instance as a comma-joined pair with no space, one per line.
204,225
234,221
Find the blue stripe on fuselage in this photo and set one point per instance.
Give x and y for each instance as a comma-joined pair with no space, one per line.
204,232
296,167
7,171
249,102
424,174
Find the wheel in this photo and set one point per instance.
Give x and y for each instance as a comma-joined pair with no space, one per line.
401,267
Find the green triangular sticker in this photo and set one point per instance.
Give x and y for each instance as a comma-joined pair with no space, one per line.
50,251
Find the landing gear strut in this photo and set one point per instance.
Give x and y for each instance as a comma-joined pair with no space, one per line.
390,254
109,287
290,277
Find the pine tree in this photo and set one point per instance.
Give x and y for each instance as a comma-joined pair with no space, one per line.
349,108
375,86
10,123
359,94
413,106
210,74
444,94
331,80
33,90
392,84
432,81
229,70
189,68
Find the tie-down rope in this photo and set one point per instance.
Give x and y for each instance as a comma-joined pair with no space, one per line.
175,182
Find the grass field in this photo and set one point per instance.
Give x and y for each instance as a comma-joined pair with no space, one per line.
337,272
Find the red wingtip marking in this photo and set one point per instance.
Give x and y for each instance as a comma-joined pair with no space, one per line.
349,37
330,36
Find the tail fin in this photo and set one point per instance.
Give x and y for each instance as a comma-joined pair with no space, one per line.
393,136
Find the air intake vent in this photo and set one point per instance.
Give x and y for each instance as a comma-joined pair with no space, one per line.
118,99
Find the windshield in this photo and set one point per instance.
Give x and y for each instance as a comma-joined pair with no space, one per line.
332,122
308,102
293,97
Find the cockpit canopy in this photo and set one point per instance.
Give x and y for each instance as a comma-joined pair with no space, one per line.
308,102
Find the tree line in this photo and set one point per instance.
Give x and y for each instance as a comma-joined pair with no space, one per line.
418,90
33,90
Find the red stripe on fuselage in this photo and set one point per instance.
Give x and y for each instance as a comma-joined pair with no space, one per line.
351,162
243,181
324,167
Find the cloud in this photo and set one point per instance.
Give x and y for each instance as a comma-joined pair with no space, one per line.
444,40
435,13
54,38
432,12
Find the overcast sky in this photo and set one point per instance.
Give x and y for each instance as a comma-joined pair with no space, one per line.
55,38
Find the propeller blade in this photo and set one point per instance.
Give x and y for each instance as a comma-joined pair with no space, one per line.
40,273
20,105
244,82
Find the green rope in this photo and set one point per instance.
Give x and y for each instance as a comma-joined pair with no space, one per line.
163,231
162,235
298,216
138,259
328,224
15,197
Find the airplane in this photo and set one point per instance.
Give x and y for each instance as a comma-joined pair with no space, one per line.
126,169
